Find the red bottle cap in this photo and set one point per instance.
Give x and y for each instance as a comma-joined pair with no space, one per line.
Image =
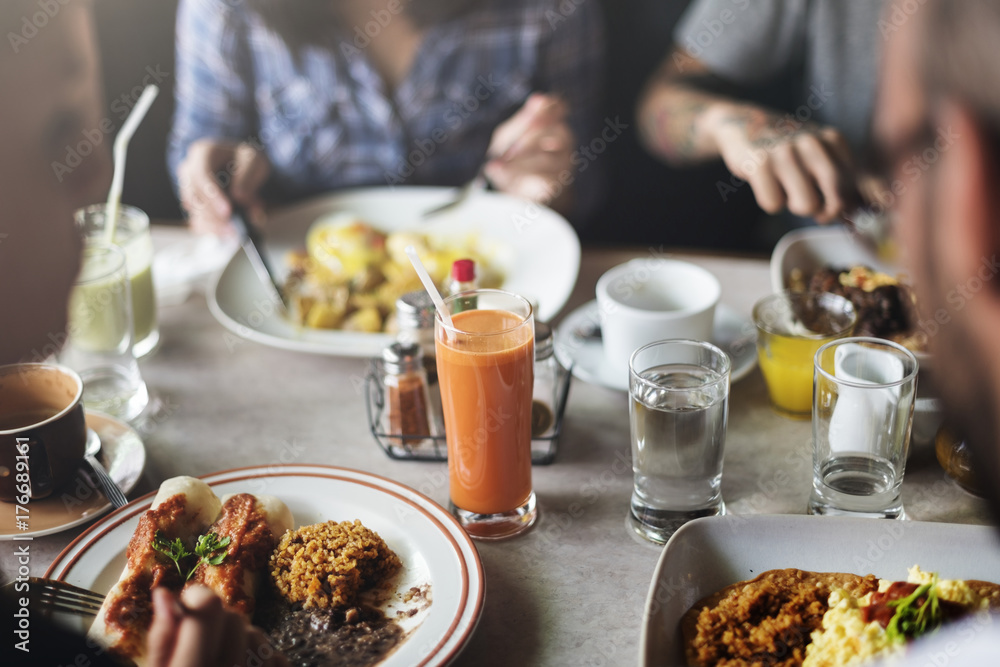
463,270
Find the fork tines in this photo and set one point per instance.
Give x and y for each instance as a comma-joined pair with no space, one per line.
60,596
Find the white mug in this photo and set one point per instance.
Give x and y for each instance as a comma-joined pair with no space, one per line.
648,300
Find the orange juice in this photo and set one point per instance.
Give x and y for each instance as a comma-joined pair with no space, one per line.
787,365
486,373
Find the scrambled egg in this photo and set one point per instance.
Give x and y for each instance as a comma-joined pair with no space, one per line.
846,639
351,274
866,279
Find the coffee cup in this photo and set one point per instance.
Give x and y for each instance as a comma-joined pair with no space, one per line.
647,300
43,433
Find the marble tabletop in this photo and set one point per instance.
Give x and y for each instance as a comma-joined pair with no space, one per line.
569,592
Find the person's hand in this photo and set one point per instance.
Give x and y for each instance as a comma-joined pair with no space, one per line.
531,149
209,170
197,632
803,167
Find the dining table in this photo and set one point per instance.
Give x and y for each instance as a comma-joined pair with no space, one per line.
570,591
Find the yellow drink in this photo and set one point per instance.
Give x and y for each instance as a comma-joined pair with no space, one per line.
787,365
791,327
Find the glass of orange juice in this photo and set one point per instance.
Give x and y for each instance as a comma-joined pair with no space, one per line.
791,327
485,363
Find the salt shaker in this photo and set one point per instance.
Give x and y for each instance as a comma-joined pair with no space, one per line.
545,395
407,404
415,322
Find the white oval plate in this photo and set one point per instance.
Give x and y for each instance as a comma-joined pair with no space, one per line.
535,248
434,549
585,355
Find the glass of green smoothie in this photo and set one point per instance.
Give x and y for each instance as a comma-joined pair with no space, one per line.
99,336
131,235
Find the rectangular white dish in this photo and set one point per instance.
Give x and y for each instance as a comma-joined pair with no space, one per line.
708,554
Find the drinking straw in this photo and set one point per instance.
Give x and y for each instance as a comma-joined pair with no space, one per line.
429,286
121,149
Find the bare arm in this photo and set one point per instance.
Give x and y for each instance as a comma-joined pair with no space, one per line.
685,116
678,108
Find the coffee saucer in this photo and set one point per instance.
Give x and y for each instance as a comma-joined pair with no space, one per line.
578,345
124,457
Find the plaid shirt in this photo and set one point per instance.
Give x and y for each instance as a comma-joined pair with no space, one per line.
326,120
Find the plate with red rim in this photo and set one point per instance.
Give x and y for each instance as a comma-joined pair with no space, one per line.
437,554
124,457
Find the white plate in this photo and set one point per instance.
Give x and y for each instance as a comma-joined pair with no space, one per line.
585,355
123,456
537,251
708,554
432,546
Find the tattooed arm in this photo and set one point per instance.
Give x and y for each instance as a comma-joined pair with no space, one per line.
686,116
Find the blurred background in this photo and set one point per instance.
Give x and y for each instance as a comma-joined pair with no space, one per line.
648,203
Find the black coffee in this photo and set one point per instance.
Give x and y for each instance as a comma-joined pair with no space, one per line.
24,418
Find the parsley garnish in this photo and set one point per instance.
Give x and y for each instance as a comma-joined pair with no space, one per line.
210,550
913,619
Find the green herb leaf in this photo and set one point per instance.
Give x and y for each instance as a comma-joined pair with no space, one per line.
206,550
913,619
174,550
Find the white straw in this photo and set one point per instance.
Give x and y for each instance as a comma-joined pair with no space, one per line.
429,286
121,150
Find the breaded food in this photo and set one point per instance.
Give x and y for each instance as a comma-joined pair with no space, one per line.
326,565
766,621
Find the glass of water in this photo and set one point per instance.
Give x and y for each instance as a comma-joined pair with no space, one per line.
99,341
678,408
862,416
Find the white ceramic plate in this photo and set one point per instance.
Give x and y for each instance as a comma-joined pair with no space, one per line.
585,355
434,549
123,456
708,554
537,251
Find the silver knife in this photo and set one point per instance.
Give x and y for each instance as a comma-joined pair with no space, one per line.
253,245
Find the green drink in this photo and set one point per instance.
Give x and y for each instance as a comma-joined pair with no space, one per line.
99,306
132,236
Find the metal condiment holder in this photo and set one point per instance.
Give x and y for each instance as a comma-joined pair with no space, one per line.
435,448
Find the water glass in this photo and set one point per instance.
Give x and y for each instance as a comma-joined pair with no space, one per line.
862,416
485,363
678,409
791,326
99,344
131,235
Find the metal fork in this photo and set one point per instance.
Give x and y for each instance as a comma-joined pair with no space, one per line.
55,595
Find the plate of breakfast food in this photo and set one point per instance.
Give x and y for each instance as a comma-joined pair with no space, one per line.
794,590
342,265
327,561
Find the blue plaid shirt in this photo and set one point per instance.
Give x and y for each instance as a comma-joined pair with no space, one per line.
326,120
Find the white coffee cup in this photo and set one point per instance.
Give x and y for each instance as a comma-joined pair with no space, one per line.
647,300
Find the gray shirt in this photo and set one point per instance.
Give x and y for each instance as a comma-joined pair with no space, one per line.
838,41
